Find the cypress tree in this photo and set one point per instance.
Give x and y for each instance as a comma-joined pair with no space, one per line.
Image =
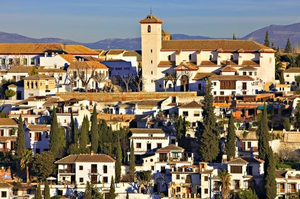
288,46
127,195
74,132
112,191
94,131
83,141
47,190
20,142
102,130
208,138
270,176
233,37
263,134
119,161
132,162
179,131
266,41
38,194
54,135
231,139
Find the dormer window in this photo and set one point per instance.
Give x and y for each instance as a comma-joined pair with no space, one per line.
149,28
210,57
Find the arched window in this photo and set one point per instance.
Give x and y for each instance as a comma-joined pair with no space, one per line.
149,28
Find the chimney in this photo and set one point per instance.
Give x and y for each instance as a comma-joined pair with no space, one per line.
92,152
52,54
46,54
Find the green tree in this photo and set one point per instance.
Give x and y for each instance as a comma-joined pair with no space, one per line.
225,183
278,67
84,137
127,195
47,190
231,139
2,114
296,117
233,37
288,46
119,160
38,193
88,191
94,131
33,71
73,149
43,165
74,131
286,124
57,139
266,41
132,162
25,161
20,143
263,134
91,192
180,131
112,191
208,137
246,194
270,175
9,93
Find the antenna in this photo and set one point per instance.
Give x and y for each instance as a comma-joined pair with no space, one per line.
151,10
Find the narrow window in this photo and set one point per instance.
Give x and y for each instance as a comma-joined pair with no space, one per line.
149,28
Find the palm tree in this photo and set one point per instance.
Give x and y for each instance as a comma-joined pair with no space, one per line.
225,183
24,162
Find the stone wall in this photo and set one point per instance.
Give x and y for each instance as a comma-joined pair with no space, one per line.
130,96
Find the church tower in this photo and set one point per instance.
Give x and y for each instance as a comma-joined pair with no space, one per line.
151,35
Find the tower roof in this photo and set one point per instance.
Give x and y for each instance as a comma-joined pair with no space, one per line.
151,19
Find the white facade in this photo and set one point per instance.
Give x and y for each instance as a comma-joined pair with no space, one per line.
37,138
8,131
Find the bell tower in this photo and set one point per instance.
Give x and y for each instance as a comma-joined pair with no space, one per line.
151,35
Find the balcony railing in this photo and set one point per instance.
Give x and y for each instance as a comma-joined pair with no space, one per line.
66,170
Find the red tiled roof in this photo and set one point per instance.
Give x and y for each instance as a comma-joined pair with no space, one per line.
228,69
192,104
231,77
89,64
151,19
85,158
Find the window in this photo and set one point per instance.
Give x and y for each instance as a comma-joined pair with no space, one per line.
29,135
80,167
215,83
244,73
236,169
3,194
185,113
149,28
160,85
105,179
151,71
236,184
205,178
80,179
178,189
199,86
287,75
152,168
206,191
2,132
170,85
46,135
244,93
94,168
151,50
215,92
169,57
151,63
37,136
228,84
244,86
222,93
190,57
210,57
231,57
158,145
177,176
196,113
138,145
250,73
32,61
104,169
38,151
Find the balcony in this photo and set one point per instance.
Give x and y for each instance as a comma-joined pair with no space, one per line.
66,171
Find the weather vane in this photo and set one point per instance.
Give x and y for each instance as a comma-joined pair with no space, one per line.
151,10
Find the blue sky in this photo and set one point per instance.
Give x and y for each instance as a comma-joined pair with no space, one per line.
93,20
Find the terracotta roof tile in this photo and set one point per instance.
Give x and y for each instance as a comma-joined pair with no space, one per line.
228,68
229,62
151,19
247,68
170,148
166,64
39,127
147,131
89,64
51,70
85,158
250,63
208,63
225,45
186,66
68,58
192,104
231,77
238,161
38,77
4,185
200,76
115,52
292,70
19,69
7,122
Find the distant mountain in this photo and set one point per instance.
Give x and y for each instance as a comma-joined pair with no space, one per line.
277,34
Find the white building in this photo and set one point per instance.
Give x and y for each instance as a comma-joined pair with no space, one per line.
37,138
192,111
94,168
61,61
160,55
6,190
8,131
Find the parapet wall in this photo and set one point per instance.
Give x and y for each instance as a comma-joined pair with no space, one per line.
130,96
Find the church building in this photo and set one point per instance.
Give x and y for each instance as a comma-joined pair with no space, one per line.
234,66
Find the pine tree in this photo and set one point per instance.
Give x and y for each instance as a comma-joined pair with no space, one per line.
208,138
47,190
112,191
288,46
270,176
94,131
119,161
231,139
263,134
20,143
38,194
233,37
132,162
83,141
266,41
